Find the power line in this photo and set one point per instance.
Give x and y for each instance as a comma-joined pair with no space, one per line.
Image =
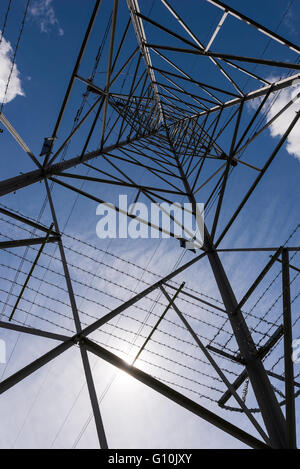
5,20
15,54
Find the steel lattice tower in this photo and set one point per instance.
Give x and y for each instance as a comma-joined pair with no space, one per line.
175,127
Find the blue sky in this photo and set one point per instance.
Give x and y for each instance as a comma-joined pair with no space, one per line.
50,408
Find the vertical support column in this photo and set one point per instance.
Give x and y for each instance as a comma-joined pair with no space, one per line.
288,362
264,393
93,398
84,355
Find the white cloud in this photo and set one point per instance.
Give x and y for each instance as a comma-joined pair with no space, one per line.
281,124
43,13
279,127
15,87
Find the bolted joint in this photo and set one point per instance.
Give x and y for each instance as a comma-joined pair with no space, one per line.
77,339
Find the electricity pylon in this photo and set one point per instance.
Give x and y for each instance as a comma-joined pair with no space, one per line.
189,132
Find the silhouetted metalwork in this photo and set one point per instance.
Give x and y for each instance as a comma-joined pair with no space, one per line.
175,127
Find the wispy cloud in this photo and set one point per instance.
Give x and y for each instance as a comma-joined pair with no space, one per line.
290,23
15,87
42,11
281,124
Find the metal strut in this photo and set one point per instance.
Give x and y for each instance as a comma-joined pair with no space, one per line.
264,393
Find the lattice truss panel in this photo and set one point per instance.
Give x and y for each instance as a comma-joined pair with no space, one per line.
168,107
103,281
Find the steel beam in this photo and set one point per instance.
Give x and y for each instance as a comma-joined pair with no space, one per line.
84,356
44,242
219,55
259,278
277,86
259,177
75,70
288,351
255,24
13,184
268,404
174,396
196,40
231,357
270,409
16,243
27,221
18,139
218,370
109,67
33,331
170,303
133,7
93,397
260,353
281,378
34,366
